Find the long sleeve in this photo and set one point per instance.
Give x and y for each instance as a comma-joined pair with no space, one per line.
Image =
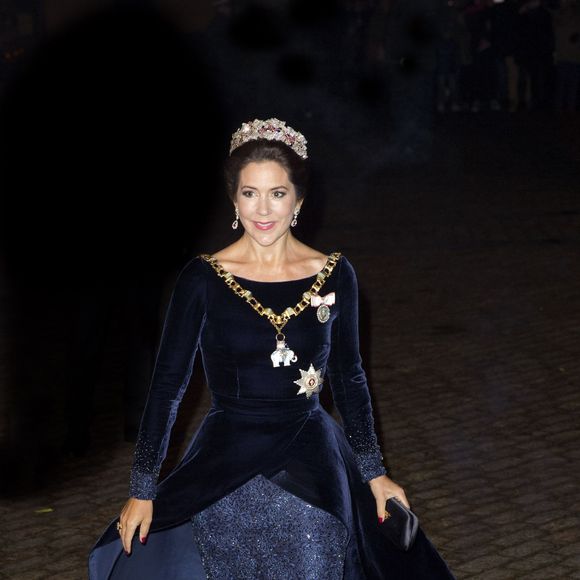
348,380
178,345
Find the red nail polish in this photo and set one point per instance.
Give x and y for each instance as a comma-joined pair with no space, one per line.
143,540
381,520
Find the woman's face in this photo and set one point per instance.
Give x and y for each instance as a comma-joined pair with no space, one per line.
266,201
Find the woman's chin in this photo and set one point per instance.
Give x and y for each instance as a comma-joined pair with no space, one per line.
267,239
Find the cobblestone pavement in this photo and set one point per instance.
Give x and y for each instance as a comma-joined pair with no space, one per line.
470,324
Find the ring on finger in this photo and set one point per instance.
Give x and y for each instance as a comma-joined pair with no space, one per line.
119,526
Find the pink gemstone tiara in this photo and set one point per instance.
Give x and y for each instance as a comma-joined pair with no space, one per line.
273,130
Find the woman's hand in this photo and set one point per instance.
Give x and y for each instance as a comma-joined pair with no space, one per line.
383,488
136,513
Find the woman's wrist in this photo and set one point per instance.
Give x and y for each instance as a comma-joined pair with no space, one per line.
370,464
142,485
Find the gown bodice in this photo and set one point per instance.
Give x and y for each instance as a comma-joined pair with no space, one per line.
236,344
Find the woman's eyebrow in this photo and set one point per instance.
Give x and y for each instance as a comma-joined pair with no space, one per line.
271,189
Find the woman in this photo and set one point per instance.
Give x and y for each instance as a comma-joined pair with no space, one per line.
270,486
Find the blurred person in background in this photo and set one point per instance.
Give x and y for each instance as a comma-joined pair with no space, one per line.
567,54
534,55
450,51
504,27
484,71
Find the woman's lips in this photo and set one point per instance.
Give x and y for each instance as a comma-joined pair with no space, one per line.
264,225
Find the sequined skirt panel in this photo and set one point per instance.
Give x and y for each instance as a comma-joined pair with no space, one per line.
261,531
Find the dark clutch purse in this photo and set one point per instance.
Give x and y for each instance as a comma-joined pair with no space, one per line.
400,525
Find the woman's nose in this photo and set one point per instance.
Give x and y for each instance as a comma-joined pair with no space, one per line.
264,206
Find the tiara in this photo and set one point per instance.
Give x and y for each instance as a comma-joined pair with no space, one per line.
272,130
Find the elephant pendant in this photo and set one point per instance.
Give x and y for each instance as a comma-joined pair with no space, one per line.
283,354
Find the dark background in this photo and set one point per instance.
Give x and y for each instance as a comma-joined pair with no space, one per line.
443,143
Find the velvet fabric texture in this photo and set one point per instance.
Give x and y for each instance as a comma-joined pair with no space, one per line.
258,424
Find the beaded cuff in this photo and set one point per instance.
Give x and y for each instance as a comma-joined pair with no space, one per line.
370,464
145,470
142,485
363,440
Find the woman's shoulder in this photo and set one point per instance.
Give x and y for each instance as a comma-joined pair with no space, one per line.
345,270
193,270
227,258
190,282
315,260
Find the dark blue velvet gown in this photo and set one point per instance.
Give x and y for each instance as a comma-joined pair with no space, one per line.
260,433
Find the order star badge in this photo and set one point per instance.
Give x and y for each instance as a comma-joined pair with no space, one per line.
309,381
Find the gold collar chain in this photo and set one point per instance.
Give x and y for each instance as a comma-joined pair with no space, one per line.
277,320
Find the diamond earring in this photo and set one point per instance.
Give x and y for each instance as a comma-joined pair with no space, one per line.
295,221
235,222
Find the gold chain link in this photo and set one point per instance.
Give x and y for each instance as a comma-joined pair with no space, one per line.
278,321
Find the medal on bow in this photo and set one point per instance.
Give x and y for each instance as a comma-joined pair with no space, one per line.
323,303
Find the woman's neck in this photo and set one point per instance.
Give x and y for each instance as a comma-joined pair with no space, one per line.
272,257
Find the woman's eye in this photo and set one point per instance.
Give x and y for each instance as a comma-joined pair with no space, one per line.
279,193
247,193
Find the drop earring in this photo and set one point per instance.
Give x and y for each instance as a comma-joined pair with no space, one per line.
295,220
236,221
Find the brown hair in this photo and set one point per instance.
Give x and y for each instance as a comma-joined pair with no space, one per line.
265,150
